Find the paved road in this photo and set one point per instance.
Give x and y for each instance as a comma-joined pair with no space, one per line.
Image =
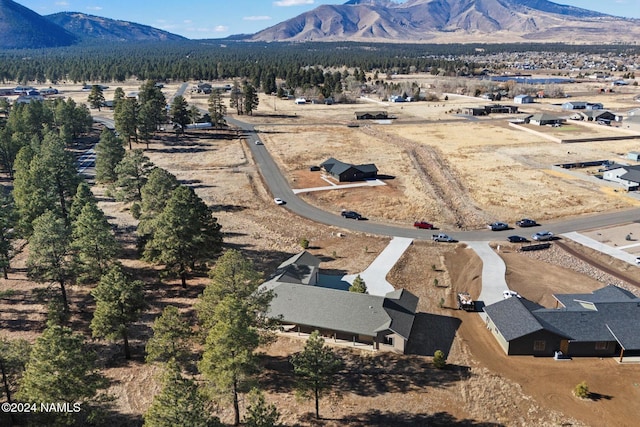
280,188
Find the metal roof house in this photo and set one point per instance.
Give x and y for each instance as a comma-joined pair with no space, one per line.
371,115
603,323
305,305
524,99
542,119
625,175
581,105
345,172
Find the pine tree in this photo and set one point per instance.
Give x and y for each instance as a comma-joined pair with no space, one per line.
358,286
126,118
157,191
250,98
14,355
96,97
8,224
10,145
179,403
49,253
93,244
119,302
109,152
82,197
259,412
171,337
179,113
315,368
132,173
236,99
61,369
217,109
184,233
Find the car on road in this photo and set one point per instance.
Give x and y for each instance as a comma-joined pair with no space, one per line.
497,226
517,239
279,201
441,237
542,236
638,260
526,222
258,143
509,294
351,215
423,225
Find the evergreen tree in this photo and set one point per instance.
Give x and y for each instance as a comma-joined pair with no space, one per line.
61,369
10,145
179,403
109,152
179,113
229,361
217,109
119,302
132,173
118,96
49,253
8,224
147,122
126,118
194,114
184,233
250,98
171,337
315,368
93,244
157,191
13,359
96,97
259,412
82,197
236,99
358,286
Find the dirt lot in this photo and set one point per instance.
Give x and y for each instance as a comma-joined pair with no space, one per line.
481,386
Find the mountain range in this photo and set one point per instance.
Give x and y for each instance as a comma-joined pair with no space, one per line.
413,21
453,21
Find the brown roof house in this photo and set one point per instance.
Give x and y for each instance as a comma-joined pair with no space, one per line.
303,304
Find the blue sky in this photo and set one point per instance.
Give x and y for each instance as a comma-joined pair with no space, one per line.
200,19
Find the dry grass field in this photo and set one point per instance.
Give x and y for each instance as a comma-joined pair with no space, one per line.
445,168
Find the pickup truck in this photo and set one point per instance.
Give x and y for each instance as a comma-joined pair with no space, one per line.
441,237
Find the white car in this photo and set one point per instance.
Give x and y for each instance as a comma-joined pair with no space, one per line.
258,143
509,293
279,201
542,236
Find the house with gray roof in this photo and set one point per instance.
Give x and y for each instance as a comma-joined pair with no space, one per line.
348,172
302,304
603,323
542,119
625,175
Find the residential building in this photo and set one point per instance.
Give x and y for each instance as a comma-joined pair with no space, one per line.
348,172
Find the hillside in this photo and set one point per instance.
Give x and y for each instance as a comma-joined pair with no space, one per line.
21,27
86,26
453,21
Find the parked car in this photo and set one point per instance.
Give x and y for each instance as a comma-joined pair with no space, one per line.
351,215
526,222
541,236
509,294
314,168
497,226
517,239
279,201
441,237
423,224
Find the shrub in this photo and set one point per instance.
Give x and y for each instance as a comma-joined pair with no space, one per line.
439,359
582,390
304,243
136,210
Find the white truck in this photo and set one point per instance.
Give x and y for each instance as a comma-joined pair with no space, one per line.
441,237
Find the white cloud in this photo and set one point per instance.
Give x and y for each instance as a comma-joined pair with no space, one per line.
94,7
188,21
287,3
62,3
221,28
257,18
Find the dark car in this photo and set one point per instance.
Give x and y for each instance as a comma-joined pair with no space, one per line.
526,222
517,239
423,224
497,226
351,215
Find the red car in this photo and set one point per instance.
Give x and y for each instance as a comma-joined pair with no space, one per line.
423,225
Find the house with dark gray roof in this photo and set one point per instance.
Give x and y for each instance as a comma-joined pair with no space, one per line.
542,119
625,175
348,172
302,304
371,115
603,323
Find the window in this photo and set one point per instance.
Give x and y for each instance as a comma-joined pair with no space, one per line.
388,340
602,345
539,345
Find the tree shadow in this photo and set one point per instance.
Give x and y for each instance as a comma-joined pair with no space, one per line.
402,419
597,396
228,208
431,332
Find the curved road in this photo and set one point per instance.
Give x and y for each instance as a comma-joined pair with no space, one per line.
280,188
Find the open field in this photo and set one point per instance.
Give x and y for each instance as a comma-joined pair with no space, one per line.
447,169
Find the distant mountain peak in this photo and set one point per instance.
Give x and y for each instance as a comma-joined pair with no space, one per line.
453,21
21,27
